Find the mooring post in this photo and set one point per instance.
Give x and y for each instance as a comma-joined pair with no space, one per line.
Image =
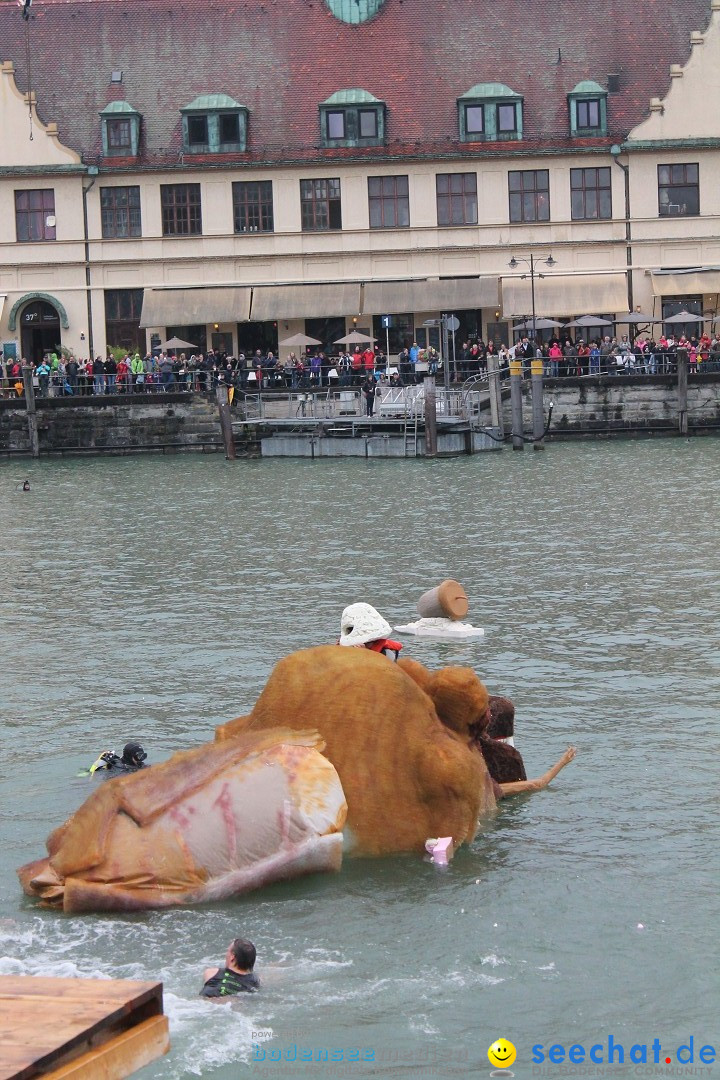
536,379
682,390
225,420
495,393
516,404
27,374
430,417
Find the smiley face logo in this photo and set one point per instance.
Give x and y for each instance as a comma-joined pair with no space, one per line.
502,1053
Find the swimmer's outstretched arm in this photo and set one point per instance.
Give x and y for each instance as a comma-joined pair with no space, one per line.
522,787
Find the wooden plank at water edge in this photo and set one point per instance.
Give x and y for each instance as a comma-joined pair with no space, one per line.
79,1029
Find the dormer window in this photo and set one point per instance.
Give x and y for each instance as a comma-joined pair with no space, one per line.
352,118
214,124
587,108
120,130
490,112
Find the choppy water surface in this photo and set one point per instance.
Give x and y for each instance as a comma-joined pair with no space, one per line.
150,597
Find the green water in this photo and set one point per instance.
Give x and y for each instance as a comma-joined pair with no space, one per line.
150,597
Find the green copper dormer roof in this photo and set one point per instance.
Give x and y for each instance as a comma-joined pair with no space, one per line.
489,90
588,87
354,11
211,103
351,97
119,108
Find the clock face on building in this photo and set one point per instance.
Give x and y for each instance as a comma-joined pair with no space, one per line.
354,11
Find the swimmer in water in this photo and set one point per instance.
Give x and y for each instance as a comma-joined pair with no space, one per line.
237,977
26,485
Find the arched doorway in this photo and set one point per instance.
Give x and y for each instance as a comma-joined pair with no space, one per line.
39,330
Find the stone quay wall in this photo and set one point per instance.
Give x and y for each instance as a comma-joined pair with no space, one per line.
626,404
109,425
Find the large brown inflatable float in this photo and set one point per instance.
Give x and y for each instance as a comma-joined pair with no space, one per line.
210,823
265,801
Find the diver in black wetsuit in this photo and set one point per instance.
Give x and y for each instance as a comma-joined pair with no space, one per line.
109,764
237,977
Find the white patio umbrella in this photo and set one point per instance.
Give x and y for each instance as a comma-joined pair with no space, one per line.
300,339
177,343
634,318
354,338
540,324
590,320
683,317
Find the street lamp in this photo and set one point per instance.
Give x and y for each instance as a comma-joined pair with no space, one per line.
532,262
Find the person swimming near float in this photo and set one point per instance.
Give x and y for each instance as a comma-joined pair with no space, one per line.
109,764
362,626
237,977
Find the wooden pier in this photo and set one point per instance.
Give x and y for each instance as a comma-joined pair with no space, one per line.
79,1029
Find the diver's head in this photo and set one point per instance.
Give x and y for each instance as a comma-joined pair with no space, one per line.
133,754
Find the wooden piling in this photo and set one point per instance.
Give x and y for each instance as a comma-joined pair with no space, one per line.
225,421
536,378
430,417
682,390
27,374
495,393
516,404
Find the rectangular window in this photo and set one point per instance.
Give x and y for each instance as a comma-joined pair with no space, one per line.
506,118
588,114
122,318
120,212
389,202
35,214
336,125
229,128
368,124
119,136
123,305
197,130
320,205
457,198
590,195
181,210
252,206
475,119
529,195
678,190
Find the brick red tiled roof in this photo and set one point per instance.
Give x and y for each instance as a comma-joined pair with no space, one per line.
281,58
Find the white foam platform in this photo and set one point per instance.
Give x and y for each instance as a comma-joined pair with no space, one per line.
445,629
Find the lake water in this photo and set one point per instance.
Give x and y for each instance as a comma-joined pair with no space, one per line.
150,597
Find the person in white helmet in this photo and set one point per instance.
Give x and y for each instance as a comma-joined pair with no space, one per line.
363,627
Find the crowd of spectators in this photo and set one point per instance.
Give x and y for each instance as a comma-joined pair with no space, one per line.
563,356
58,375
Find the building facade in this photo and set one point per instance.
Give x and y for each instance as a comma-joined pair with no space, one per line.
234,176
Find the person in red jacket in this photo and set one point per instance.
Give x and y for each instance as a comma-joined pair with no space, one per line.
358,364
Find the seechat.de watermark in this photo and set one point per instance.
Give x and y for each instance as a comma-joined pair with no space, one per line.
610,1052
